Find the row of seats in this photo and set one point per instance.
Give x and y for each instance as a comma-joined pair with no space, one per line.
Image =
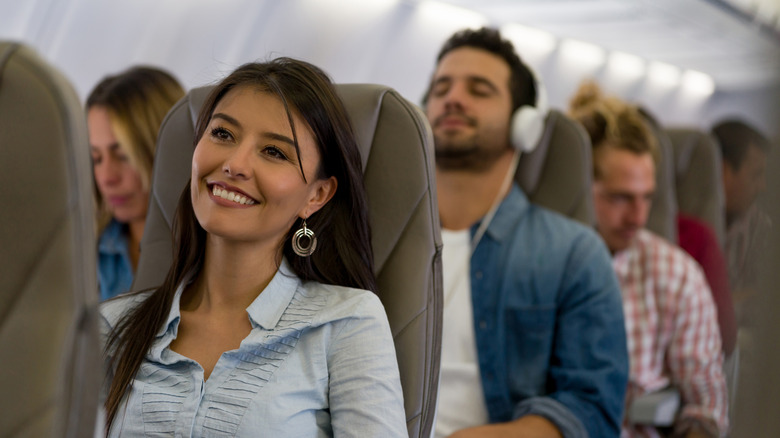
48,294
48,299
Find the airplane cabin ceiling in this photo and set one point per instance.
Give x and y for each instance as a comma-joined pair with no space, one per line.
736,42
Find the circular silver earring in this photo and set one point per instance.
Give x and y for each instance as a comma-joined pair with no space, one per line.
303,241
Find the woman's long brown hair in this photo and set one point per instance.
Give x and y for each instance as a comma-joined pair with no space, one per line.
343,255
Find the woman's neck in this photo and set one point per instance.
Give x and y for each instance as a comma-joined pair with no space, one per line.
233,275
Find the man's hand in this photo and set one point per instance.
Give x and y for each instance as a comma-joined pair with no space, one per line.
530,426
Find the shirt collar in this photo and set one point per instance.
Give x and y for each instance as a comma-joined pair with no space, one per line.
174,314
265,311
514,206
622,259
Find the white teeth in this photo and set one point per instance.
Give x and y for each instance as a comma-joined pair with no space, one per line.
231,196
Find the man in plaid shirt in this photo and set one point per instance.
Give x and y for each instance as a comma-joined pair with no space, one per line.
671,321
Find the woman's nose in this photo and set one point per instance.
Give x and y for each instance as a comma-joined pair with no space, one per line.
236,164
108,172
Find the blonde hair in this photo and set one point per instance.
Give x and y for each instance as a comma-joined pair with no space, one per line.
611,123
137,101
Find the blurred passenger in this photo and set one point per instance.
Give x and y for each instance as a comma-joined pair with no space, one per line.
698,239
700,242
744,152
261,326
673,337
533,332
124,113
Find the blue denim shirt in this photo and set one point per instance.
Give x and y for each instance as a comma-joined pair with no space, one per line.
115,271
548,321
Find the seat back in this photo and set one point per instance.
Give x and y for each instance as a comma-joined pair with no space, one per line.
559,172
396,147
698,180
48,289
662,218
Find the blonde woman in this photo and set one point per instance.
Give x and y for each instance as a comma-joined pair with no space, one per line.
124,113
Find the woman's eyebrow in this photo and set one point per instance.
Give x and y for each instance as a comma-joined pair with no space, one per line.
272,135
280,137
227,118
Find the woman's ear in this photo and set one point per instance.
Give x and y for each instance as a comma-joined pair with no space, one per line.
322,192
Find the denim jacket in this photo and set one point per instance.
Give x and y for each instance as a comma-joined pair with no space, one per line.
548,321
114,268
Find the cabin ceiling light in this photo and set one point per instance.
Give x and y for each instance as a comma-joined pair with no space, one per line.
626,65
583,54
664,74
443,12
528,39
698,82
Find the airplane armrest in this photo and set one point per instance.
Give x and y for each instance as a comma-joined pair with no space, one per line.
655,409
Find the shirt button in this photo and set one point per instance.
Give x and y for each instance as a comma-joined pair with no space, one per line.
478,274
483,324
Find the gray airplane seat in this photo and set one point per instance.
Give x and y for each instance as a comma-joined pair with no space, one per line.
51,367
396,144
558,173
699,184
662,219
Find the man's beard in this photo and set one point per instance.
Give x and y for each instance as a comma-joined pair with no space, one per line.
465,155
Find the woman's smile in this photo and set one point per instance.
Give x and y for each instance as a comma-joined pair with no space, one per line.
221,192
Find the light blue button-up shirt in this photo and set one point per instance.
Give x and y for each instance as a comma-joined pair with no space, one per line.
319,362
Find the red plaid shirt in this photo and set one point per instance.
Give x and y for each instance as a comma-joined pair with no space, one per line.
672,330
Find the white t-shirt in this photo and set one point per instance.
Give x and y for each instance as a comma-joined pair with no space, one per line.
461,400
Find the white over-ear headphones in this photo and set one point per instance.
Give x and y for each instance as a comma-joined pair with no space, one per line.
527,124
525,131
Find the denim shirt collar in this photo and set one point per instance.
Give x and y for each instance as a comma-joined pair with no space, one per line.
514,206
265,311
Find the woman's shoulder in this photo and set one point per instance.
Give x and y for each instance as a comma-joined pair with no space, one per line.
114,309
343,302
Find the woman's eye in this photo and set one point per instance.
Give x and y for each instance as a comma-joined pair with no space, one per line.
274,152
221,134
96,160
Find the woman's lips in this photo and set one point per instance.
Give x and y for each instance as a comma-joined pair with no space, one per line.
225,193
117,201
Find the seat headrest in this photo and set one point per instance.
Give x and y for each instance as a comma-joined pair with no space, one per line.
396,148
662,218
48,289
558,173
698,179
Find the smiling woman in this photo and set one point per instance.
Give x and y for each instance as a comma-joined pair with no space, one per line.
248,161
256,328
